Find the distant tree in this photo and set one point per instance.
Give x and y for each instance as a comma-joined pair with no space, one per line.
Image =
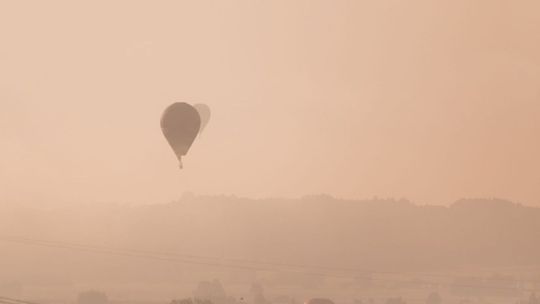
212,291
434,298
92,297
283,299
397,300
257,292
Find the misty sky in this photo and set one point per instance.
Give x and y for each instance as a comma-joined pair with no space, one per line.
428,100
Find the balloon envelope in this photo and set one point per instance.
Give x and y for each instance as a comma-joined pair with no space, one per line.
204,113
180,124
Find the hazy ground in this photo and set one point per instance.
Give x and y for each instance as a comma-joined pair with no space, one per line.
314,246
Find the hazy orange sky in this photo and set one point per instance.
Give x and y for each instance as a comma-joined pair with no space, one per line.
428,100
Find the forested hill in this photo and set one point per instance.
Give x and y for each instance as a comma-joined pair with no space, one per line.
315,230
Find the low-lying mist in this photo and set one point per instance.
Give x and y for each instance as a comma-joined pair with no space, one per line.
163,251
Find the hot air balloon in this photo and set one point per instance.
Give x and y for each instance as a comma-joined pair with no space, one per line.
180,124
204,113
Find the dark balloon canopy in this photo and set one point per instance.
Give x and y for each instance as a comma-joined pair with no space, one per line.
180,124
204,113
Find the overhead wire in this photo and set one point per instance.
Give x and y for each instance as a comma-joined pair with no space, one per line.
216,262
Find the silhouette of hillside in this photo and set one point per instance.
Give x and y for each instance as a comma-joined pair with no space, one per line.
394,235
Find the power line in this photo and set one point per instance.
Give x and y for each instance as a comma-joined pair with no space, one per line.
7,300
215,261
244,263
193,260
139,254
